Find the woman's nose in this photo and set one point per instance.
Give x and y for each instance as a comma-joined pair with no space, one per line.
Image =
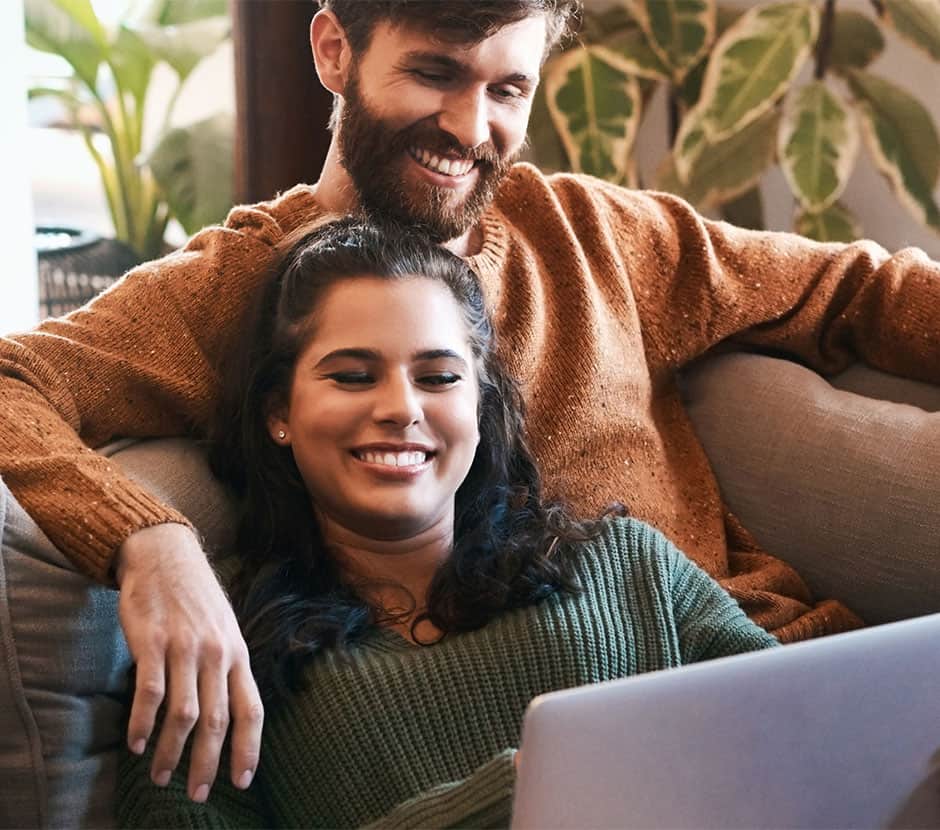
398,402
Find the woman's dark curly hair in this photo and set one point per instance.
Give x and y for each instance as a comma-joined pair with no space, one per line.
289,595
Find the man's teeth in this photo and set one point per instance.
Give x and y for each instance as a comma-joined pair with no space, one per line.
394,459
447,167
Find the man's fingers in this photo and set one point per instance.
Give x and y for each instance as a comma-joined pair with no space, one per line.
210,733
248,719
182,713
148,695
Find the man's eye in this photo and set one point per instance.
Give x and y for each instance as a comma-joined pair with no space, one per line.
440,379
430,77
351,378
506,92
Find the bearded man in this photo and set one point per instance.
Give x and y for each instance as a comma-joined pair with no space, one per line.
600,296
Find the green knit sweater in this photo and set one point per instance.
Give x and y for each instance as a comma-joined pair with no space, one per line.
399,735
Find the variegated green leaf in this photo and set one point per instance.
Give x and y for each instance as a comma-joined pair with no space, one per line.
834,224
728,168
753,64
596,109
903,140
132,64
818,146
678,31
628,50
68,28
856,41
691,141
918,21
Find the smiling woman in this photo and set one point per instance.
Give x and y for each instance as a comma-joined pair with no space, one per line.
404,589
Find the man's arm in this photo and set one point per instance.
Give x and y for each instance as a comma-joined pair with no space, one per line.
143,360
699,282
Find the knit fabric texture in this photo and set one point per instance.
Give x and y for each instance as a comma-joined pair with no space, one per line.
398,735
600,295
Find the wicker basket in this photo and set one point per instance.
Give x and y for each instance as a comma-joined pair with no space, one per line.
75,266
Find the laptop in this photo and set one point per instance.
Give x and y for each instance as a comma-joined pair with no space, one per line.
840,732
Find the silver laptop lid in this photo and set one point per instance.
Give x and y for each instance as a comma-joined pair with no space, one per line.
841,732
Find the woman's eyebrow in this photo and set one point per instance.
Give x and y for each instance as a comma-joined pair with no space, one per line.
437,354
358,354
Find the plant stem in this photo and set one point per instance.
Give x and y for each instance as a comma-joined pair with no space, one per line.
824,41
674,115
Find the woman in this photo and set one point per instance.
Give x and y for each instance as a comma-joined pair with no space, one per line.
405,592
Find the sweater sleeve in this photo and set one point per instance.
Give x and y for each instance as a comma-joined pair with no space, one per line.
482,799
708,621
141,360
699,282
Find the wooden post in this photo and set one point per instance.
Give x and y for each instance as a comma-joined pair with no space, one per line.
282,111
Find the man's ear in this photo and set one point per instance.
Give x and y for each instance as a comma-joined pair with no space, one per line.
331,53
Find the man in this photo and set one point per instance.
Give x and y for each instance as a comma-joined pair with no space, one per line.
600,296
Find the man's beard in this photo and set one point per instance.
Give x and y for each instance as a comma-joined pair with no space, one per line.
374,155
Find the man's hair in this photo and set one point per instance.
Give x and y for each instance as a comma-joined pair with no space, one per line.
456,21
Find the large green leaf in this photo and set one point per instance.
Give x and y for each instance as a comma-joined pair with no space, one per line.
753,64
834,224
185,45
918,21
194,167
903,140
70,29
132,63
596,109
173,12
856,41
818,146
678,31
728,168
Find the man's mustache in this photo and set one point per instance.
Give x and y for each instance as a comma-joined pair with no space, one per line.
442,143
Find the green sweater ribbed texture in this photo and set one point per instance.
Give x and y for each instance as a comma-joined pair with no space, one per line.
398,735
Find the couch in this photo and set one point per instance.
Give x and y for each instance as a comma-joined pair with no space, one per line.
840,477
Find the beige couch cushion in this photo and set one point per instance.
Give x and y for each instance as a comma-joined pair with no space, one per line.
845,488
63,659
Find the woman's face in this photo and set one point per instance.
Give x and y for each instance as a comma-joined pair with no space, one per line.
382,411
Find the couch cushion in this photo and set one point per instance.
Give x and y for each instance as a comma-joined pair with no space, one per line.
63,680
844,487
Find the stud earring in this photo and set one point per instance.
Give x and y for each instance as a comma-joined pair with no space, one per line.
281,434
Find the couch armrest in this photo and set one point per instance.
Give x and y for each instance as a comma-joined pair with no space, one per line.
844,487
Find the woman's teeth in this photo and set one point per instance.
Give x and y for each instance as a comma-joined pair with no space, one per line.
394,459
446,167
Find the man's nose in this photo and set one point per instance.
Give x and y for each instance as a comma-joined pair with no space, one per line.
466,117
398,402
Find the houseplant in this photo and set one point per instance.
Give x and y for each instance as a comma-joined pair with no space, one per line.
186,172
739,102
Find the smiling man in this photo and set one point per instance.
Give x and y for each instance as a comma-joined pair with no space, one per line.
600,296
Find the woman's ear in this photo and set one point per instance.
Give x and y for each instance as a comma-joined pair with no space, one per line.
331,53
278,427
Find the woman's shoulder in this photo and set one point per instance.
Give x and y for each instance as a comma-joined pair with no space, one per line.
630,547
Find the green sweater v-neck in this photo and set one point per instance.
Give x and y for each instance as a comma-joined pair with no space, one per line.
408,736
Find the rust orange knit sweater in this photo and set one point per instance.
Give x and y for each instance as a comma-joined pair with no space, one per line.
599,294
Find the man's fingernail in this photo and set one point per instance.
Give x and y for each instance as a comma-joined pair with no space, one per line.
245,779
162,778
139,746
202,793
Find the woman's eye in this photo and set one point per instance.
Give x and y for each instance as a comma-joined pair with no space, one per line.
351,378
440,379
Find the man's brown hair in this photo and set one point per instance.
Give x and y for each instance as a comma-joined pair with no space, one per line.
456,21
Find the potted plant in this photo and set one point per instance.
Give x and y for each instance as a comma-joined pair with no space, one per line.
740,102
186,173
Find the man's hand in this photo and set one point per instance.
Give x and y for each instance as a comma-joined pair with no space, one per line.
184,638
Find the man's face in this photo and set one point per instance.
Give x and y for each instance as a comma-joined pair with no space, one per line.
429,129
